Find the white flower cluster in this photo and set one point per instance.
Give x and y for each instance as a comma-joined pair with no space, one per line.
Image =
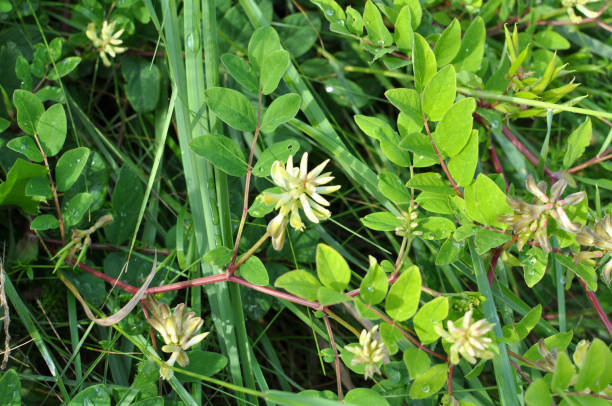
108,42
468,340
369,352
300,190
178,329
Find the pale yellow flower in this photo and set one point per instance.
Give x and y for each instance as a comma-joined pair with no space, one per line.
300,190
469,340
369,352
178,330
108,42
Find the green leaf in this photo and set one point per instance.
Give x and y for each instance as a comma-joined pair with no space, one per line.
403,30
26,146
415,11
222,152
5,7
254,271
594,365
392,188
263,42
448,44
534,263
142,83
380,221
430,382
577,142
488,239
550,39
485,202
435,228
434,202
449,252
423,61
375,127
69,166
273,69
564,371
281,110
64,67
374,285
74,210
331,10
12,190
276,152
418,143
241,71
202,363
408,101
398,156
378,33
300,32
300,283
518,331
10,389
537,393
44,222
94,395
354,21
232,107
430,182
332,269
365,397
417,361
327,296
218,257
470,54
430,315
463,165
454,130
51,129
403,299
126,201
29,109
439,93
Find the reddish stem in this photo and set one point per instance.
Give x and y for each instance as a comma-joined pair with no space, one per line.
336,356
494,259
247,184
444,168
450,379
496,162
597,306
607,154
273,292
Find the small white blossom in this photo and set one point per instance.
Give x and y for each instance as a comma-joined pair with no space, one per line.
300,190
177,330
108,42
469,340
369,352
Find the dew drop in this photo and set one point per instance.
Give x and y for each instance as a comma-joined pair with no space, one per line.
329,89
467,49
381,43
425,388
431,236
329,12
370,289
533,261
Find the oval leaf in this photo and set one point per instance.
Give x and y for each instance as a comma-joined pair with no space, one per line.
281,110
222,152
51,129
232,107
332,269
29,109
300,283
403,299
254,271
274,67
439,93
69,167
